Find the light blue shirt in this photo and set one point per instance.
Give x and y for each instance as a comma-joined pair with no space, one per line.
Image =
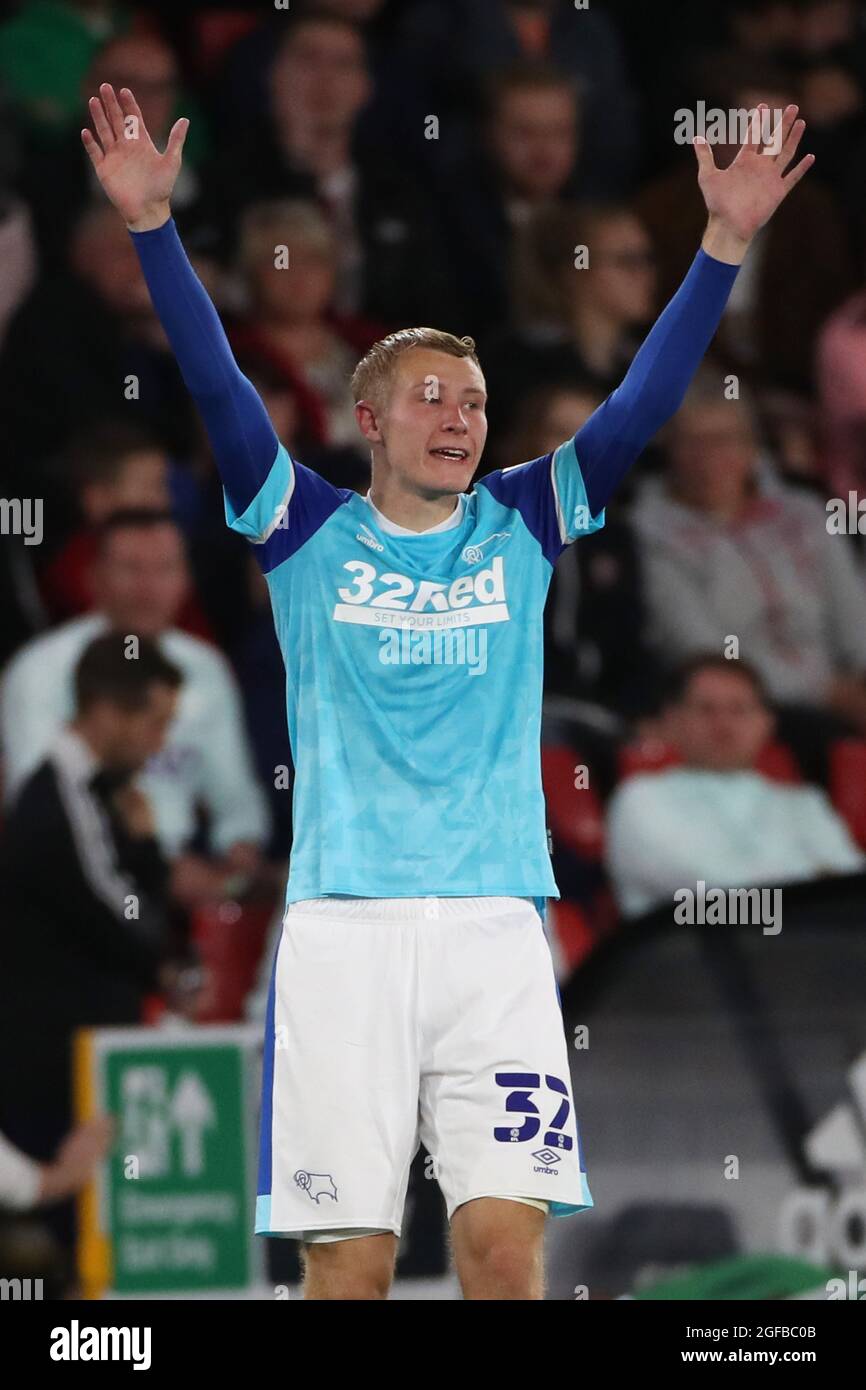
414,679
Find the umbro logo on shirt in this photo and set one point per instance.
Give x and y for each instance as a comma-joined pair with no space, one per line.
368,538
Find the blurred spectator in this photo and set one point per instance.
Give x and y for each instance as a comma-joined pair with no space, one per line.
714,818
830,57
219,556
20,600
259,665
390,263
61,175
391,123
469,40
594,647
296,416
113,467
526,161
763,28
841,380
792,427
728,551
17,256
45,50
205,767
87,929
88,345
584,283
799,267
289,300
25,1182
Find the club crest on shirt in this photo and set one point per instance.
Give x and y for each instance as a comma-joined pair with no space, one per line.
474,554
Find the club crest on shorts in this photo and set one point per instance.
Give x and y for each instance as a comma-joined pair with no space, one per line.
316,1185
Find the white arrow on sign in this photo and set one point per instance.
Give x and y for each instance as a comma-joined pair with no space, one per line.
192,1111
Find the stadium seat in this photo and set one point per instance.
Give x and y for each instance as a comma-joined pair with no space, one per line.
230,938
645,755
574,813
779,764
848,784
574,936
776,761
215,35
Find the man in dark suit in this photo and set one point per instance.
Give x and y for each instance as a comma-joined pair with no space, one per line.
86,931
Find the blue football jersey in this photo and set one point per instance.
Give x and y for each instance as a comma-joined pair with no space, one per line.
414,679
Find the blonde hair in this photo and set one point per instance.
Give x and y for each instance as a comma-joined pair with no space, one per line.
371,379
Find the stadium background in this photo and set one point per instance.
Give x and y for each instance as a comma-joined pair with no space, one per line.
436,162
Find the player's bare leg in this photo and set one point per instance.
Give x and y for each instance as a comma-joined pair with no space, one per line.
347,1269
498,1249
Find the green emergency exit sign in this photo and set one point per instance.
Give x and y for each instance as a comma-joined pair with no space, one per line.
172,1211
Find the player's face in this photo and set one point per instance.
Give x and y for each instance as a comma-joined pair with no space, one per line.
141,579
433,428
721,723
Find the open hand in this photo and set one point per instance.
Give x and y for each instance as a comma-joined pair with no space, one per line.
744,196
136,177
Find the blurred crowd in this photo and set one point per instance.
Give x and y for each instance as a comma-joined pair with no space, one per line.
427,162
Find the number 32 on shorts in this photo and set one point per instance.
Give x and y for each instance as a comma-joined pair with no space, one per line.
520,1085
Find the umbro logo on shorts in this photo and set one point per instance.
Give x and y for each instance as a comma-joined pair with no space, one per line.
547,1156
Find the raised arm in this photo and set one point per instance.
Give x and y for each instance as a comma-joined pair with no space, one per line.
739,200
139,181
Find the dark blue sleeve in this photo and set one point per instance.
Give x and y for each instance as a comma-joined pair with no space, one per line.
241,434
657,380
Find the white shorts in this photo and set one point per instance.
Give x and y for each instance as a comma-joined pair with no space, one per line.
393,1022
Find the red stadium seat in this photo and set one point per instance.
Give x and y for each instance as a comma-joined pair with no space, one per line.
579,928
217,32
646,755
574,936
776,761
848,784
779,764
574,813
230,938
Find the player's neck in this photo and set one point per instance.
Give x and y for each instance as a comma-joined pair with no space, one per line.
408,509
